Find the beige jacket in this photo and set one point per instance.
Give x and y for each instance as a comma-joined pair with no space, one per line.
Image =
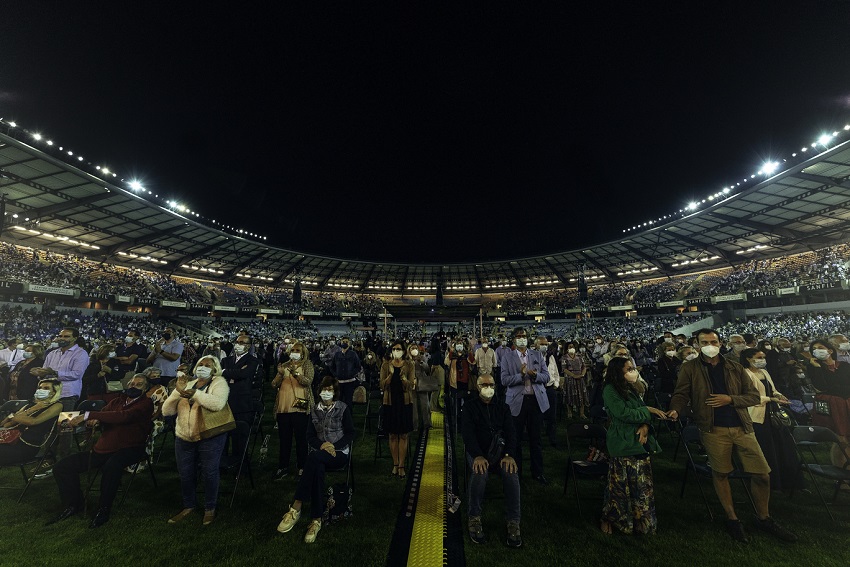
188,424
757,412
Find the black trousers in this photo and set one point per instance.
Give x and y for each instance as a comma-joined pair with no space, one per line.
550,416
530,417
67,474
311,485
239,439
291,425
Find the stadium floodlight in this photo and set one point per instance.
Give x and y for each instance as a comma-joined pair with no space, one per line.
824,139
692,205
70,153
13,124
726,190
80,158
769,167
49,142
136,186
37,137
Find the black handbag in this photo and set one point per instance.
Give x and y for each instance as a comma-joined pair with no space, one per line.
779,416
497,449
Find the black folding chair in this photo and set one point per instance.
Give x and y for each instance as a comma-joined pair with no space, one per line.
373,398
12,406
83,407
45,451
146,461
693,446
579,467
244,428
810,436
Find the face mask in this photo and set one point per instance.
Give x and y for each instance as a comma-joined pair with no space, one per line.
326,396
521,342
197,345
54,344
42,394
414,352
842,346
20,346
397,354
28,355
203,372
599,341
821,353
737,347
239,349
691,356
368,356
637,344
63,343
129,340
668,339
786,349
295,356
572,350
487,392
166,336
759,363
801,376
680,341
631,376
582,349
670,353
543,348
622,355
112,354
459,348
484,345
710,351
768,347
133,392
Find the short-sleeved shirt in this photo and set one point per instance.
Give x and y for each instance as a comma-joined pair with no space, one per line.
129,350
168,367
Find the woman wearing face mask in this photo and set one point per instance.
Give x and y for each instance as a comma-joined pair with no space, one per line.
771,355
832,379
668,368
422,387
686,353
575,371
630,498
98,373
459,362
208,390
775,440
34,421
397,376
23,383
294,384
329,434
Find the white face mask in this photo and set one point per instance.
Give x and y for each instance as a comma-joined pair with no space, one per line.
239,349
414,352
484,345
42,394
710,351
670,353
582,349
368,356
20,346
844,346
203,372
295,356
543,348
821,353
631,376
738,347
521,342
668,339
54,344
768,347
112,354
691,356
28,355
326,396
599,341
759,363
786,349
571,350
459,348
397,354
129,340
487,392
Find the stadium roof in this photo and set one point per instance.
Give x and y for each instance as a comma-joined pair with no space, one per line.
60,201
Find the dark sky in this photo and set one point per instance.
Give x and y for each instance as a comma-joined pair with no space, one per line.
412,134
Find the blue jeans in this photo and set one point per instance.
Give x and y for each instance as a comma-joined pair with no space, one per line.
312,483
478,483
206,454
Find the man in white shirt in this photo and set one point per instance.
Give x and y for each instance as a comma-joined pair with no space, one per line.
485,359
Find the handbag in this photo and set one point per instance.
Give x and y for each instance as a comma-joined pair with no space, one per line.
114,386
299,403
215,422
497,449
9,436
779,417
822,407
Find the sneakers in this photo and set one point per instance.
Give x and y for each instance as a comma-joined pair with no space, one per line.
476,532
736,530
514,537
209,517
289,520
280,474
774,529
314,528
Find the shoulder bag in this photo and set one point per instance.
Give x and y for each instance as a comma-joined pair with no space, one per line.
216,422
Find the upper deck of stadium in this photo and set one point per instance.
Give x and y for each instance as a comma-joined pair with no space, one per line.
62,201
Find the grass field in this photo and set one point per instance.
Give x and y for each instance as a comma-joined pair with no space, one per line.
553,533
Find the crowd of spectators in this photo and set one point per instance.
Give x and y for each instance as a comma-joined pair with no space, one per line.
790,325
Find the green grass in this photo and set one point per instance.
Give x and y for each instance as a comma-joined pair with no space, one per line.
553,533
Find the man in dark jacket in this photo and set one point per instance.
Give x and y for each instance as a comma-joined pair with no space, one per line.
344,366
719,393
485,418
125,423
239,368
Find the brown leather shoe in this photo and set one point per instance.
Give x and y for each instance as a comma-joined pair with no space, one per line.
209,516
180,515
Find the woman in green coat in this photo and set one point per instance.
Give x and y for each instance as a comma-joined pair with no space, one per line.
629,497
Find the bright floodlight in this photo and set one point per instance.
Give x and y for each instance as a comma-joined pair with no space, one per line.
13,124
769,167
37,136
135,185
692,206
824,140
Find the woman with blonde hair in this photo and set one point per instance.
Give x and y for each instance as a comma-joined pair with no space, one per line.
293,403
207,390
32,422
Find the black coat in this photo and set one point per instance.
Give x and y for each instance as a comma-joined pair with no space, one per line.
239,377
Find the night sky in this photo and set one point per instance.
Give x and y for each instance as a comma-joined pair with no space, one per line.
407,133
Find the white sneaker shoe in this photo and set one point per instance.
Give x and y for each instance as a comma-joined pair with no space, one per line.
314,528
289,520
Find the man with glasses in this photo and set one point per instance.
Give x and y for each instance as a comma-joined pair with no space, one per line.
490,442
524,376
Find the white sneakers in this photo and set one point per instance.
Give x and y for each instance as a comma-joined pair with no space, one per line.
291,518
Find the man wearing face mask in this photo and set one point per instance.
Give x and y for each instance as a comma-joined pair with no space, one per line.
344,366
485,359
487,422
737,345
13,354
786,369
239,369
68,362
525,375
125,423
842,348
166,355
719,393
129,352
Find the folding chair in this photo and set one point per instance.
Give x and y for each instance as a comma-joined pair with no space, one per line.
83,407
12,406
243,427
810,436
148,462
373,397
691,442
45,451
581,467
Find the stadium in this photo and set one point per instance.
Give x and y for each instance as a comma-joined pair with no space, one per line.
96,245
